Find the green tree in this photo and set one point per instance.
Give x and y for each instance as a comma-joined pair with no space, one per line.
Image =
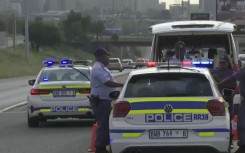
43,34
76,28
97,28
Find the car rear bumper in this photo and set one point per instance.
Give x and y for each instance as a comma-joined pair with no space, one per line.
185,147
174,149
53,115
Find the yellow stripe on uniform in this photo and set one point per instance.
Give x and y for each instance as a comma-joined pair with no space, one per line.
180,99
45,110
131,135
160,111
206,134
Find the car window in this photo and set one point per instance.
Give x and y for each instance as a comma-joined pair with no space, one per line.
114,61
64,74
242,58
168,85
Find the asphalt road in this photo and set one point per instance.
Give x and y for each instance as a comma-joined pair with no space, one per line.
59,136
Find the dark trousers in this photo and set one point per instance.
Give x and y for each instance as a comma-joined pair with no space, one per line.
241,122
102,110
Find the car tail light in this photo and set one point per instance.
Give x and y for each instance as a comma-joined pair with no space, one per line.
121,109
216,107
39,92
85,91
151,64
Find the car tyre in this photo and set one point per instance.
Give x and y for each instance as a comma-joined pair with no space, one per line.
32,121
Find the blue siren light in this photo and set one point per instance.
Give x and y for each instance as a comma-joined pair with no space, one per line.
49,62
66,62
45,79
207,64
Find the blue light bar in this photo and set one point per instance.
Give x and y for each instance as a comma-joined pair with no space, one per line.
66,62
208,64
49,62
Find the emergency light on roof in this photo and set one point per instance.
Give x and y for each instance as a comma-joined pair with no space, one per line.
66,62
207,64
50,62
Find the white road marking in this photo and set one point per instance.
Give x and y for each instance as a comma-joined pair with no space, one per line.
13,106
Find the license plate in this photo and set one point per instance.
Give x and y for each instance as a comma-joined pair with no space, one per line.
164,134
66,93
64,109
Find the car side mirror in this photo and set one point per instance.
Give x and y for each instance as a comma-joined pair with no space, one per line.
114,95
228,92
31,82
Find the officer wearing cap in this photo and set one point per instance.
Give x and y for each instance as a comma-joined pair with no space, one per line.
102,84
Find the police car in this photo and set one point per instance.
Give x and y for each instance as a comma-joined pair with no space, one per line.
59,91
172,109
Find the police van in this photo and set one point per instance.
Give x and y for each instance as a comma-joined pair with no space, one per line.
209,39
170,108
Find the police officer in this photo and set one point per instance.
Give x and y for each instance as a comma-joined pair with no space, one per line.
102,84
180,52
239,76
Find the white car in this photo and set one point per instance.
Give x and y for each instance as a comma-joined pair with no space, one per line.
59,91
170,109
128,64
115,64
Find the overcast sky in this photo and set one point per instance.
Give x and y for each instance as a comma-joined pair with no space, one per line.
168,2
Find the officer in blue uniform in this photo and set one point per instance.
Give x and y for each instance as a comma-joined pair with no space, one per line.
239,76
102,84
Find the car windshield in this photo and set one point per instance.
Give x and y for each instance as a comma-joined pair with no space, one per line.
64,74
242,58
114,61
198,47
168,85
126,61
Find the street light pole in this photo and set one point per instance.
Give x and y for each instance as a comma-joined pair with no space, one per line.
14,30
26,30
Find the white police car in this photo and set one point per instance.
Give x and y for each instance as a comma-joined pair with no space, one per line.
170,109
59,91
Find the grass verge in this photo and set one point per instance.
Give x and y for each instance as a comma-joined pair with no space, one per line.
13,62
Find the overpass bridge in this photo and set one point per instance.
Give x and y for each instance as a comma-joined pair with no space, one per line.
134,41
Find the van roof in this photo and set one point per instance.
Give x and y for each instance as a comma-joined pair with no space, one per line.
180,26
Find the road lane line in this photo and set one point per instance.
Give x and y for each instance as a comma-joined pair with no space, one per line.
13,106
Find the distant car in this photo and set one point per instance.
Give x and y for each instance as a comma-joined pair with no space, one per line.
128,64
170,109
115,64
59,91
141,62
